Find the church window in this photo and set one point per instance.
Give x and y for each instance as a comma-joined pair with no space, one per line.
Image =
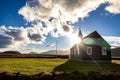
89,50
104,51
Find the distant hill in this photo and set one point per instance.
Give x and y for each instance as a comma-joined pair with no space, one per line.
11,52
59,52
115,52
33,53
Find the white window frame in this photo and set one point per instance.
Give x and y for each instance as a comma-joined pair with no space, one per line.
89,48
104,51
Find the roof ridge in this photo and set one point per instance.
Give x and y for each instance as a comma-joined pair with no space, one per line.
94,34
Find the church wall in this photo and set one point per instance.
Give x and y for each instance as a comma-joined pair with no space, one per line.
96,53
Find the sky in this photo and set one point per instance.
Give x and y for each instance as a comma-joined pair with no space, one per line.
36,25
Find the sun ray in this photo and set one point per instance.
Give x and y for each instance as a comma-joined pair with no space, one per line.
74,39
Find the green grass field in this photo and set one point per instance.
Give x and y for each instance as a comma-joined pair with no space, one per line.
31,66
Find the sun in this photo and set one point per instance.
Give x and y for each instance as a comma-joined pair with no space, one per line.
74,39
78,40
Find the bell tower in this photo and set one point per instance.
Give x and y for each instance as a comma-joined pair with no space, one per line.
80,34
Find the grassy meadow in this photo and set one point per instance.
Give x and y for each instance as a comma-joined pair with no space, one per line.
31,66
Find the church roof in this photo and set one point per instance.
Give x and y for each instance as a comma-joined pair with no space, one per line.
94,34
95,38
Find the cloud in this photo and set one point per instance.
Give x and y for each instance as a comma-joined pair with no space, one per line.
35,12
15,36
112,40
113,7
36,37
5,41
65,10
66,28
18,35
59,11
50,45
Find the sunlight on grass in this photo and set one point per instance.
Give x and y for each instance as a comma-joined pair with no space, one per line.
36,65
29,65
116,61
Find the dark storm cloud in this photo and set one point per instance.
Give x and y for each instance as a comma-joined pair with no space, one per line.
71,5
35,37
15,33
66,28
5,41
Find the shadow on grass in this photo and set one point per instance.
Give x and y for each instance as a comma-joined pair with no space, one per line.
85,67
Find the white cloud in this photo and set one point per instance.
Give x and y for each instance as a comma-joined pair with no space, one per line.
35,12
65,30
61,11
16,36
112,40
50,45
65,10
36,34
113,7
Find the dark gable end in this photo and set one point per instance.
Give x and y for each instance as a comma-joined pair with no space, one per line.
95,38
94,34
